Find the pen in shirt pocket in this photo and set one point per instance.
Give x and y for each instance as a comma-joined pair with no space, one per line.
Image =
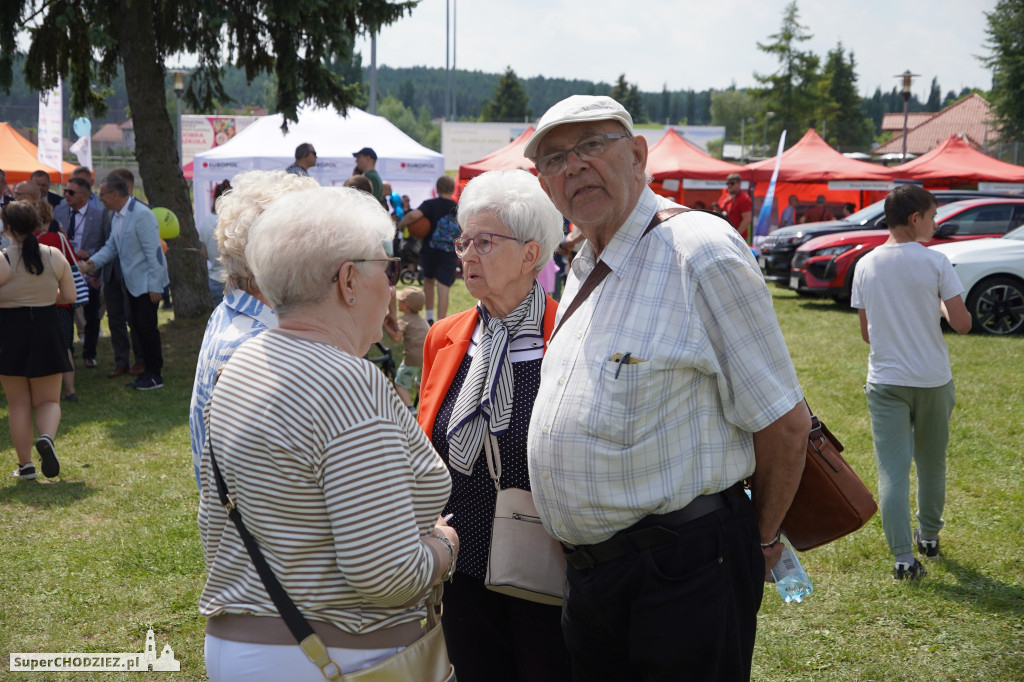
624,359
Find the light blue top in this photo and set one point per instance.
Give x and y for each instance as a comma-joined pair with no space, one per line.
238,318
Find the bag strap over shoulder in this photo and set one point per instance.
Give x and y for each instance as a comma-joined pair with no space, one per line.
601,270
308,640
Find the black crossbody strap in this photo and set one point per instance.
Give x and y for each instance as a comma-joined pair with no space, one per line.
300,628
601,270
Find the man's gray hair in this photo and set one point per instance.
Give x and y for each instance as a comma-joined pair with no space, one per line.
516,199
116,184
237,210
302,239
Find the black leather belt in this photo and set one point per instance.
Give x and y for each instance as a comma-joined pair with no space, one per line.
650,531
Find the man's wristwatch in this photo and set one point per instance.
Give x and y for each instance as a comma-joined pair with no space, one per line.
775,540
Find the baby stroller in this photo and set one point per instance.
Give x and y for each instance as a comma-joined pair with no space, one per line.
380,355
409,252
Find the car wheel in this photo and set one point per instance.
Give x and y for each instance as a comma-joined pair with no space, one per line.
996,305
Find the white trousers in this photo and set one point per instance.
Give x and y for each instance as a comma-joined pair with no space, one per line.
227,661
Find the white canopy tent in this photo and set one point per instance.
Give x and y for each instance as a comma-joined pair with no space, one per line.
410,167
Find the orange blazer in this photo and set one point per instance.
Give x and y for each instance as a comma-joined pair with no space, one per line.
446,345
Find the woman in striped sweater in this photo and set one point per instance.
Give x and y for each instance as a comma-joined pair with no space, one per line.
330,472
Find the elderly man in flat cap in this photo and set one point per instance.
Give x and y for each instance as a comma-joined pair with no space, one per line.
665,382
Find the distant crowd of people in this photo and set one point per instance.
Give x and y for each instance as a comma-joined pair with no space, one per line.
109,248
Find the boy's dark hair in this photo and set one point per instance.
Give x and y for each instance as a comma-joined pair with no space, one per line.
445,184
905,201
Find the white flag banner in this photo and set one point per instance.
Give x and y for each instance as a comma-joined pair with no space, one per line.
82,148
51,109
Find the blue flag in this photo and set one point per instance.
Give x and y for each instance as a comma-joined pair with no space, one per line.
764,217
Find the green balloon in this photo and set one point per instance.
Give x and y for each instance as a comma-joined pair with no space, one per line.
169,228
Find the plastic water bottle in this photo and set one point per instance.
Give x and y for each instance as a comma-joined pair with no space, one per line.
790,577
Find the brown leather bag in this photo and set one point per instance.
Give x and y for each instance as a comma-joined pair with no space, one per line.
831,501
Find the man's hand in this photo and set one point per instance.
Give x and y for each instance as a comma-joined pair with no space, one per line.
155,296
86,267
780,451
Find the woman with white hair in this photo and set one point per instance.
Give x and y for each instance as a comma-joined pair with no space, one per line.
243,311
481,372
328,469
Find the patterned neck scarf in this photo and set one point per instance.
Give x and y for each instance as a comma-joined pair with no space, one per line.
477,409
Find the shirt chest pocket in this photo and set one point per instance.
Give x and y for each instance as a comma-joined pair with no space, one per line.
623,401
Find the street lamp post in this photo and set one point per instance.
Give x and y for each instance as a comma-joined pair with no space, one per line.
907,77
179,90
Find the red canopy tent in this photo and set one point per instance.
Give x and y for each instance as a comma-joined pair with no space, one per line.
19,158
508,157
954,163
807,168
673,157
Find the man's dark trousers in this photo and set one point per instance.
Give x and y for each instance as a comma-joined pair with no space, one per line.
91,311
144,312
686,610
119,321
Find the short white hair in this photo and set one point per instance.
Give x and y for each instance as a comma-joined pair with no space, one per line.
238,208
301,240
517,200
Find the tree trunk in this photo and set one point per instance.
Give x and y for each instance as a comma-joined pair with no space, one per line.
157,152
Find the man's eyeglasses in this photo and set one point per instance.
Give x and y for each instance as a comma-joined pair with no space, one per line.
587,148
70,192
394,267
483,243
730,182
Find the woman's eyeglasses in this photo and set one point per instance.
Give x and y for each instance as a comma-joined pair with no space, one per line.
394,267
483,243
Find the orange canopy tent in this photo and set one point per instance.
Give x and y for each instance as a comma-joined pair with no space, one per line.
955,163
508,157
18,158
806,169
673,157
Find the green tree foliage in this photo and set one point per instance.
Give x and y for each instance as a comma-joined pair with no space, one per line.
84,41
934,96
509,101
419,128
847,128
1006,44
793,91
628,95
729,108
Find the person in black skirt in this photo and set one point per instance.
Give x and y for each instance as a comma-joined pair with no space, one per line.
33,279
481,371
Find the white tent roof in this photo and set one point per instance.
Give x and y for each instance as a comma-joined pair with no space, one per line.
410,167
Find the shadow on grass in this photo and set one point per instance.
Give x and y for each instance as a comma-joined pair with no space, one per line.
981,591
824,303
45,495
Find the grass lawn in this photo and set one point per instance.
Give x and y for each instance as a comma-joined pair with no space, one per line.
92,559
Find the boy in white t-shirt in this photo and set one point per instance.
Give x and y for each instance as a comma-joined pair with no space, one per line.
902,291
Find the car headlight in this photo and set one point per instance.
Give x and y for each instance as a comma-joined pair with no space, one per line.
795,240
834,251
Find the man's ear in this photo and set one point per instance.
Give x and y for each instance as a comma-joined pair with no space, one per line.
544,186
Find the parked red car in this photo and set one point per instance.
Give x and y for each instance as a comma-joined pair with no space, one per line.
825,265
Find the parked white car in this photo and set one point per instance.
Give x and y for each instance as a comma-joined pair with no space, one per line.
992,272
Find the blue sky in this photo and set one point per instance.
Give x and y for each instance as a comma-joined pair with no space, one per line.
697,45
